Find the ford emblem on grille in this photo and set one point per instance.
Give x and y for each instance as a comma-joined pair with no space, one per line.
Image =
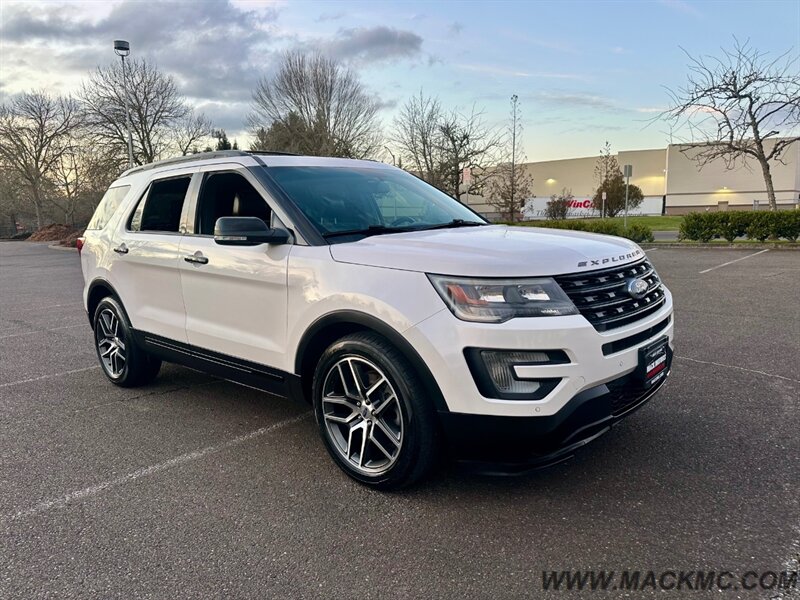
637,288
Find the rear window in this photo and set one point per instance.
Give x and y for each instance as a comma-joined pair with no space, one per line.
108,206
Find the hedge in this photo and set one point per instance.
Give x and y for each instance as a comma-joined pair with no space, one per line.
635,232
729,225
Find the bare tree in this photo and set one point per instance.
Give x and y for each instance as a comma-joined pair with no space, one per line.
417,135
739,106
466,145
80,178
156,109
612,183
510,186
35,132
13,200
190,131
321,105
606,171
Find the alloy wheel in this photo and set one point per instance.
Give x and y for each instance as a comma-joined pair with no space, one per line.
110,344
363,415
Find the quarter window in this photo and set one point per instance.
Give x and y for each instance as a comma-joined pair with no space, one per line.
108,206
160,208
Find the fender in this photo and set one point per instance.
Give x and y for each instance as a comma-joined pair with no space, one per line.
367,321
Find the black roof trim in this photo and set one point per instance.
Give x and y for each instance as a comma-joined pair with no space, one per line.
201,156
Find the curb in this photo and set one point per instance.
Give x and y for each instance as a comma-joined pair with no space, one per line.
694,245
62,248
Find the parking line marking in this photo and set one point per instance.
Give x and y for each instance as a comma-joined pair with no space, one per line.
730,262
13,335
716,364
21,381
96,489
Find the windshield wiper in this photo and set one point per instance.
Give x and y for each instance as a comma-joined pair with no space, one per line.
371,230
452,224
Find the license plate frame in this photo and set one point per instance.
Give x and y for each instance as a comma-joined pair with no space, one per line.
654,362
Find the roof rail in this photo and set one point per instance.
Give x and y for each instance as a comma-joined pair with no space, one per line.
199,156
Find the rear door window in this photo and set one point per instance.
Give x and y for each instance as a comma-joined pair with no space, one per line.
161,206
228,194
108,206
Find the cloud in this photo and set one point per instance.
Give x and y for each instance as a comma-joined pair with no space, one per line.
618,50
372,44
387,104
505,72
683,7
455,28
329,17
577,99
214,49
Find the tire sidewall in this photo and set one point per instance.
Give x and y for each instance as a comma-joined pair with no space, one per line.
405,391
110,303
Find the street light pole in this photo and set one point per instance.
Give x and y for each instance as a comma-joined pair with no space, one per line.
123,49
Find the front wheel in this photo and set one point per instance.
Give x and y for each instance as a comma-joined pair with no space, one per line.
373,414
122,361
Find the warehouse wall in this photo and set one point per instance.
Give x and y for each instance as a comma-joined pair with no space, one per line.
714,187
673,173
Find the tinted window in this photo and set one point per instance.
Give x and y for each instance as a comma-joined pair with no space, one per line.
160,208
344,198
108,206
228,195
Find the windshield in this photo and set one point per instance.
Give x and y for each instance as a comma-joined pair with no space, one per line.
346,203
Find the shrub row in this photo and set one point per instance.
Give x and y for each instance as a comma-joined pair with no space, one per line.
729,225
635,232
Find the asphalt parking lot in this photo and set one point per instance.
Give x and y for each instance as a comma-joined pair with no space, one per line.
195,487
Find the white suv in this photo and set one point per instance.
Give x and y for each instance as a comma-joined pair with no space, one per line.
412,325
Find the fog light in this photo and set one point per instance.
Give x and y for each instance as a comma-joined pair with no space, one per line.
500,366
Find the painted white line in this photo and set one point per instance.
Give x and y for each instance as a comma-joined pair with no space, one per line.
13,335
72,304
21,381
730,262
716,364
96,489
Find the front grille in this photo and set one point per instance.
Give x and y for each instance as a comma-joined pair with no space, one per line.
602,296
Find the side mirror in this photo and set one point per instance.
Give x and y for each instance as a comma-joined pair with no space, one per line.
247,231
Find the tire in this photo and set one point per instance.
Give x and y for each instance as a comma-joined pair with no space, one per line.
356,426
123,362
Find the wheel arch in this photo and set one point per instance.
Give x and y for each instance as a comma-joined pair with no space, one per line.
333,326
100,288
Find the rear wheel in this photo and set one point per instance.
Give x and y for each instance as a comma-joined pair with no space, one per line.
373,413
122,361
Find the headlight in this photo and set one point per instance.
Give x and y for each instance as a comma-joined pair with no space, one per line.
498,300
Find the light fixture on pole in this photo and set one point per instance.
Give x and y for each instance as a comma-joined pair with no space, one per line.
627,170
123,49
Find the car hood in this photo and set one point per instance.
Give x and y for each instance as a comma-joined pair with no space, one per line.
490,251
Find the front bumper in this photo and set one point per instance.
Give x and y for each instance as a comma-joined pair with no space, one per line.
515,445
595,358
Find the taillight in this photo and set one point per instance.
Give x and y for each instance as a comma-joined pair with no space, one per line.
79,244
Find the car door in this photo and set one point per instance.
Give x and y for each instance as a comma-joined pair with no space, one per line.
145,270
235,296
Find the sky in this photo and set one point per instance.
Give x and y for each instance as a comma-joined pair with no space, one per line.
585,72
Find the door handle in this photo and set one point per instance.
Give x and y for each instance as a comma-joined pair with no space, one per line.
121,249
197,258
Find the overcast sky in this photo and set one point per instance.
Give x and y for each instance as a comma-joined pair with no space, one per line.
586,72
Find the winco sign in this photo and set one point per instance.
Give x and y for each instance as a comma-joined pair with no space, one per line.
581,207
